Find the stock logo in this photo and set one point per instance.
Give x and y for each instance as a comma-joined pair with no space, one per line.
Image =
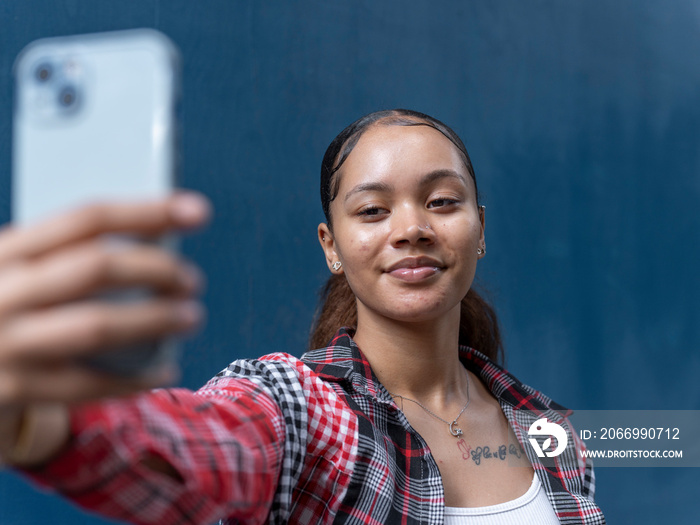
542,427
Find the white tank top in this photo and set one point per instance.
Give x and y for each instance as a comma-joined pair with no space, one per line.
533,507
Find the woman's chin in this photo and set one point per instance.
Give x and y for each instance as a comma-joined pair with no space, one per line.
422,313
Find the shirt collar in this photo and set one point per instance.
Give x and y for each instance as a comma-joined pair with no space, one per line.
343,361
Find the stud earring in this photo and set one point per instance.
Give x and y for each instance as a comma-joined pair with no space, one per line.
336,265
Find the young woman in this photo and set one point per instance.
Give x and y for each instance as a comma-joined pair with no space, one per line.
394,417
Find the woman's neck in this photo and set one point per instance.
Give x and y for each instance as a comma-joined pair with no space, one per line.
416,360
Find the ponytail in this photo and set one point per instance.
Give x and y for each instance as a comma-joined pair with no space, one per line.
337,307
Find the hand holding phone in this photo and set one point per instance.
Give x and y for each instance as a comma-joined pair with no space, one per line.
48,328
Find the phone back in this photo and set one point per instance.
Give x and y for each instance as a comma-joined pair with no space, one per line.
94,120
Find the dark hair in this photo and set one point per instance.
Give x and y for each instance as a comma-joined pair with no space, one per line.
337,305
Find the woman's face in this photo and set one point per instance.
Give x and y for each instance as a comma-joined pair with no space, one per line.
406,226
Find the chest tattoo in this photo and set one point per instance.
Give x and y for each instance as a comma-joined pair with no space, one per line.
485,452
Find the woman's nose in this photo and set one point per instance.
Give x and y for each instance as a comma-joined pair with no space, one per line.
411,226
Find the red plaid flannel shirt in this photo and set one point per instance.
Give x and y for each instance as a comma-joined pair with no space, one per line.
279,439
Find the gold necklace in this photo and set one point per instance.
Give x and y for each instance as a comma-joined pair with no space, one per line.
454,430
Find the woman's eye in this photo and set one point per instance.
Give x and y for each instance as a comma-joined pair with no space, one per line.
439,203
369,212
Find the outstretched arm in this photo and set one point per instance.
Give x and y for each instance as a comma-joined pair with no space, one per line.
174,456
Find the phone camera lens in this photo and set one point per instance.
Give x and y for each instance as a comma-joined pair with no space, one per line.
67,97
43,72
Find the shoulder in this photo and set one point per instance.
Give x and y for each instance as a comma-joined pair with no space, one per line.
284,378
504,385
275,366
305,397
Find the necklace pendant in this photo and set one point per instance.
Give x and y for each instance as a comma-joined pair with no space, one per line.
455,431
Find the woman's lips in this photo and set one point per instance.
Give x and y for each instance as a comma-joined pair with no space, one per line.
416,274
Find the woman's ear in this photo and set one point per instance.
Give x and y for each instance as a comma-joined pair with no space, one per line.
482,237
482,218
325,237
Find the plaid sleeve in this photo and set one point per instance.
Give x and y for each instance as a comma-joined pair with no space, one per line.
226,442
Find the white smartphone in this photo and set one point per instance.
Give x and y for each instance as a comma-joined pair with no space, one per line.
95,119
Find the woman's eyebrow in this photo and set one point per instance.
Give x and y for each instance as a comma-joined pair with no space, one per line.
436,175
368,186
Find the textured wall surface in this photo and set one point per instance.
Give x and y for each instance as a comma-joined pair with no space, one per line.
583,123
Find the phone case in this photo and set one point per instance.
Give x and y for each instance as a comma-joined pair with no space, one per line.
95,120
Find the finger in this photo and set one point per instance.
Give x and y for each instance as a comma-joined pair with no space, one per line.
79,329
181,210
72,383
91,267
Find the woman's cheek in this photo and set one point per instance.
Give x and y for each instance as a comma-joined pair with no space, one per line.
363,242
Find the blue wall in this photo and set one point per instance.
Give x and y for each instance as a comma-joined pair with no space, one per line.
583,123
